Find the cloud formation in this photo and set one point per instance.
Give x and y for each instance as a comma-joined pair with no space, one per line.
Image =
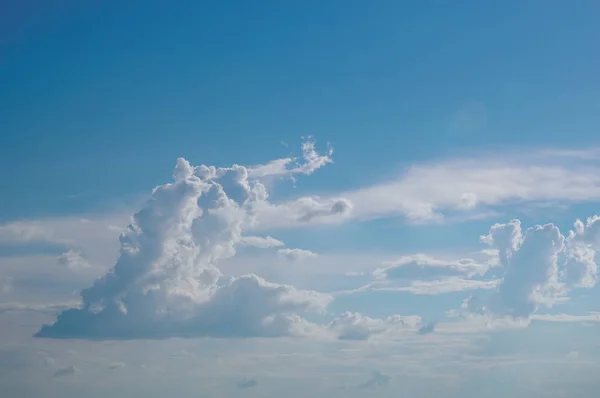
541,265
281,167
538,267
73,260
431,192
355,326
296,254
167,283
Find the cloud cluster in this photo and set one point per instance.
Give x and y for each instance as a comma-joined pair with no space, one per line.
166,281
537,267
541,265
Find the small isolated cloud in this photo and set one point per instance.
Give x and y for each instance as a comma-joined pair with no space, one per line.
73,260
377,380
67,371
246,383
296,254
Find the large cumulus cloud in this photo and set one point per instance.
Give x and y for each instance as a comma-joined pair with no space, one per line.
541,265
166,281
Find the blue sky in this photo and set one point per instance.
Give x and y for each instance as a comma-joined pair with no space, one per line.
425,167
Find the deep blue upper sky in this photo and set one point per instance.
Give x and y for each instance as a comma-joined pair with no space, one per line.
98,98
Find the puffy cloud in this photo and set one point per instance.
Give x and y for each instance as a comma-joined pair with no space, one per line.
581,269
73,260
541,265
355,326
166,281
296,254
530,266
473,188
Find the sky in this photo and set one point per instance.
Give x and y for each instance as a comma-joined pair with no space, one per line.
250,199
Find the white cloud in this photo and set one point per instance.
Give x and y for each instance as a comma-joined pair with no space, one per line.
442,286
422,266
26,232
260,242
73,260
296,254
591,317
355,326
44,308
458,186
280,167
538,265
166,281
303,212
